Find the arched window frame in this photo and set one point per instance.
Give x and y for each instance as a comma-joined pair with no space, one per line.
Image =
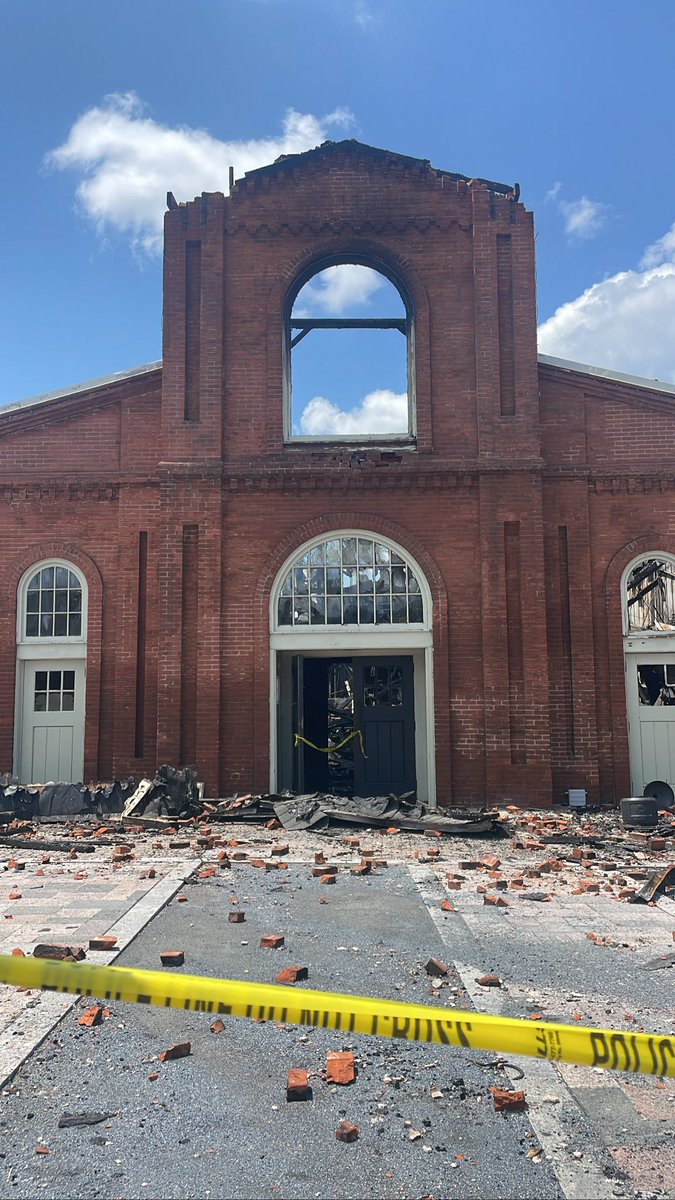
21,609
385,631
293,330
645,556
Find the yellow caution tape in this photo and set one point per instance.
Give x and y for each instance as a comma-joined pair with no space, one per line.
646,1053
330,749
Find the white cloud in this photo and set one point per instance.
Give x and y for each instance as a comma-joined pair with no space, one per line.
625,323
582,218
363,17
661,251
337,290
128,161
381,411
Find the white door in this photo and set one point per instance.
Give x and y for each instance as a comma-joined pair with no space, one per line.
650,687
52,730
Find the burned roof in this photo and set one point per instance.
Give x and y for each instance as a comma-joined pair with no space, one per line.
386,157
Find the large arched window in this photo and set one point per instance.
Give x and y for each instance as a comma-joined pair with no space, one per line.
350,579
349,356
52,604
650,595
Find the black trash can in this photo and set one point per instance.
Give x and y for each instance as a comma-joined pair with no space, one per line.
639,812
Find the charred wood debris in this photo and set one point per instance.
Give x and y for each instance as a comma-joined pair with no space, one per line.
173,801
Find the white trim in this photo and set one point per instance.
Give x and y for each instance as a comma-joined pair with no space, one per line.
641,635
21,592
360,640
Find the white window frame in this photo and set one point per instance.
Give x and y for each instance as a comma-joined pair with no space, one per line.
637,639
50,647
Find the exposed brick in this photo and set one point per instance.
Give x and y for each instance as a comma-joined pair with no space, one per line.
180,1050
105,942
346,1132
172,958
340,1067
272,941
292,975
297,1087
435,967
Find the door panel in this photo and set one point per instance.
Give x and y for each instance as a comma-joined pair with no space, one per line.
384,712
650,685
52,735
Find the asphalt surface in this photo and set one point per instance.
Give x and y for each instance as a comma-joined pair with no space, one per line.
217,1124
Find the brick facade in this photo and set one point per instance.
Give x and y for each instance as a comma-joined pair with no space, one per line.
527,491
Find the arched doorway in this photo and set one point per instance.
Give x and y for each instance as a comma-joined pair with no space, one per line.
51,673
352,669
649,651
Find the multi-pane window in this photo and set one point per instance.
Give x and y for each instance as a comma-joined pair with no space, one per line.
350,581
54,691
53,604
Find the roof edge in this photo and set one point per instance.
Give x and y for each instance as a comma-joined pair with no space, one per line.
565,364
89,386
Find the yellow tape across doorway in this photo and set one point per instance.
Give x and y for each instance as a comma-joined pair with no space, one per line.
331,749
644,1053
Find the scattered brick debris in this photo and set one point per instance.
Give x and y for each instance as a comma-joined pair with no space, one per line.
72,1120
491,862
506,1101
495,901
447,906
363,868
280,849
324,869
42,1150
207,872
297,1087
340,1067
292,974
180,1050
327,879
181,899
217,1026
105,942
17,953
153,1076
272,941
346,1132
172,958
236,918
15,895
489,981
92,1016
63,953
436,967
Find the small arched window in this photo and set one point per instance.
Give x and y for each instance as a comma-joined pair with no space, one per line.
650,595
350,580
52,604
349,356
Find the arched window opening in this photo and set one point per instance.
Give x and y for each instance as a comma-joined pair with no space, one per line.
53,604
349,357
350,580
650,596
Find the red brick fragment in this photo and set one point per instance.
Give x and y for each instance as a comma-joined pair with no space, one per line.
655,843
436,967
280,849
181,899
105,942
272,941
297,1087
489,981
180,1050
447,906
491,862
172,958
324,869
236,918
217,1026
259,863
363,868
42,1150
292,974
346,1132
207,873
319,857
153,1076
327,879
453,885
495,901
340,1067
17,953
506,1101
92,1016
15,895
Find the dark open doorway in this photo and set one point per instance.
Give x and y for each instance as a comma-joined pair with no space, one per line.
356,724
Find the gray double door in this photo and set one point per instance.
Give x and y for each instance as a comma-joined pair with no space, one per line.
358,715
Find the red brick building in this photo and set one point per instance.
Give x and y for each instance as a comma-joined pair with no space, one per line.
485,594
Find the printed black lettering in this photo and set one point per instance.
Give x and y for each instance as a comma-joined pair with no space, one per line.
600,1050
186,1005
283,1016
442,1032
224,1008
374,1024
305,1017
142,999
352,1022
540,1040
51,987
167,1001
618,1044
463,1027
666,1047
400,1027
209,1006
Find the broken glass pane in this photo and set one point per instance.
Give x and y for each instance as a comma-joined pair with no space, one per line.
334,610
285,611
651,596
382,610
366,610
350,616
349,551
287,585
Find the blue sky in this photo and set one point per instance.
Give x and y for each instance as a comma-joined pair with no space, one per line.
106,106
